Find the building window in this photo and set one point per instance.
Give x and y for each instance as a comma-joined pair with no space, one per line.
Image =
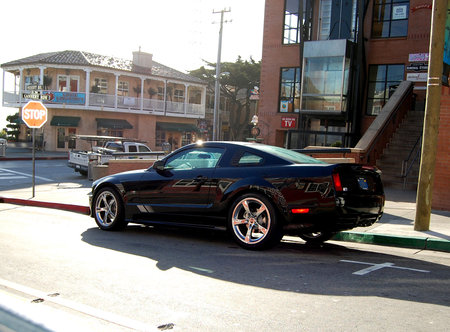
383,80
324,19
160,137
31,80
122,89
186,138
290,90
291,22
101,84
68,83
109,132
291,29
337,19
390,18
160,93
179,96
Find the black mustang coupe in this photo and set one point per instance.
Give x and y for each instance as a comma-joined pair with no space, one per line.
257,192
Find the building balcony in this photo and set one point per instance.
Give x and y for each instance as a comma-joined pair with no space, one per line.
111,103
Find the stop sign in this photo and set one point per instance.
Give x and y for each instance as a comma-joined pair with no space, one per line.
34,114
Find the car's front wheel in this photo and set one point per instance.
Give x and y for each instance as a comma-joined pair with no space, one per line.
316,237
108,210
253,222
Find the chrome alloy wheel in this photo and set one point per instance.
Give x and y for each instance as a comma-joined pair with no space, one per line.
106,206
251,220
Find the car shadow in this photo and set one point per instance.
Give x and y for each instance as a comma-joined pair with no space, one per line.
292,266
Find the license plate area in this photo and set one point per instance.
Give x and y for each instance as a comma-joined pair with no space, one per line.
363,184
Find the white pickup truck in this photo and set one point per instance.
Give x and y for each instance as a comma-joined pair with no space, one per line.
79,160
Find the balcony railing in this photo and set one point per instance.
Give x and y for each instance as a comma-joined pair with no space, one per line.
97,101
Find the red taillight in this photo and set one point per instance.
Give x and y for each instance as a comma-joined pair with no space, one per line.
337,182
298,211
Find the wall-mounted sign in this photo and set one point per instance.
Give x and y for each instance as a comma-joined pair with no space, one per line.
424,6
74,98
416,77
420,66
288,122
416,57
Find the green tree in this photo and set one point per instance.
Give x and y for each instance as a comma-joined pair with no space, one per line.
3,133
237,80
13,128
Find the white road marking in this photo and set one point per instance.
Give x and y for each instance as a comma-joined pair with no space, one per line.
25,174
91,311
12,177
375,267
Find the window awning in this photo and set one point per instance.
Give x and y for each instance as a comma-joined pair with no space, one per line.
65,121
113,124
180,127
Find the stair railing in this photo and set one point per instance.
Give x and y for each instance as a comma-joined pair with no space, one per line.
377,136
407,164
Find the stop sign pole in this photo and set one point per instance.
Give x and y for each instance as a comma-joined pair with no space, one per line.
34,114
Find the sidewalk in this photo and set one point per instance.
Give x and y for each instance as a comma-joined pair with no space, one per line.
396,227
21,153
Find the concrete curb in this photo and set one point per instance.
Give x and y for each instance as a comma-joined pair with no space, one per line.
413,242
59,206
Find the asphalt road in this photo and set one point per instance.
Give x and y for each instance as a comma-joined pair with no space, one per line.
145,278
17,174
60,268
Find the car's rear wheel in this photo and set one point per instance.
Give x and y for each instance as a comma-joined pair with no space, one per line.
253,222
108,210
316,237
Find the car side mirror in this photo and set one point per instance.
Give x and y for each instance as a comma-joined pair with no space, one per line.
159,166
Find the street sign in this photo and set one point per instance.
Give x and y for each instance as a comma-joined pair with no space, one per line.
35,95
35,87
34,114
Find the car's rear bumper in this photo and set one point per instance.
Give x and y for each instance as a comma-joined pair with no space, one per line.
348,212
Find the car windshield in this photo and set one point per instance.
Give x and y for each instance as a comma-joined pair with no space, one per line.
295,157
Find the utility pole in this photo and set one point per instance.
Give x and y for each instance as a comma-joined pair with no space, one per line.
432,110
217,83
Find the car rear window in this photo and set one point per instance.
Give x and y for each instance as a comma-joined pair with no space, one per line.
292,156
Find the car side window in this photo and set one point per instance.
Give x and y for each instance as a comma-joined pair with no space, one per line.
250,159
143,148
132,148
195,158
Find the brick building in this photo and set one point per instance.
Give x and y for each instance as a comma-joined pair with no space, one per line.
332,83
328,73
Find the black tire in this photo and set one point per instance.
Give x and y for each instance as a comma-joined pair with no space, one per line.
109,210
84,173
316,237
253,222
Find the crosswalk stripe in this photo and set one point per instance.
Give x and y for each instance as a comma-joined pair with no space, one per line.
12,177
24,174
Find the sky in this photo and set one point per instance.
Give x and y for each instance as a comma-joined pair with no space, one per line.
179,33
